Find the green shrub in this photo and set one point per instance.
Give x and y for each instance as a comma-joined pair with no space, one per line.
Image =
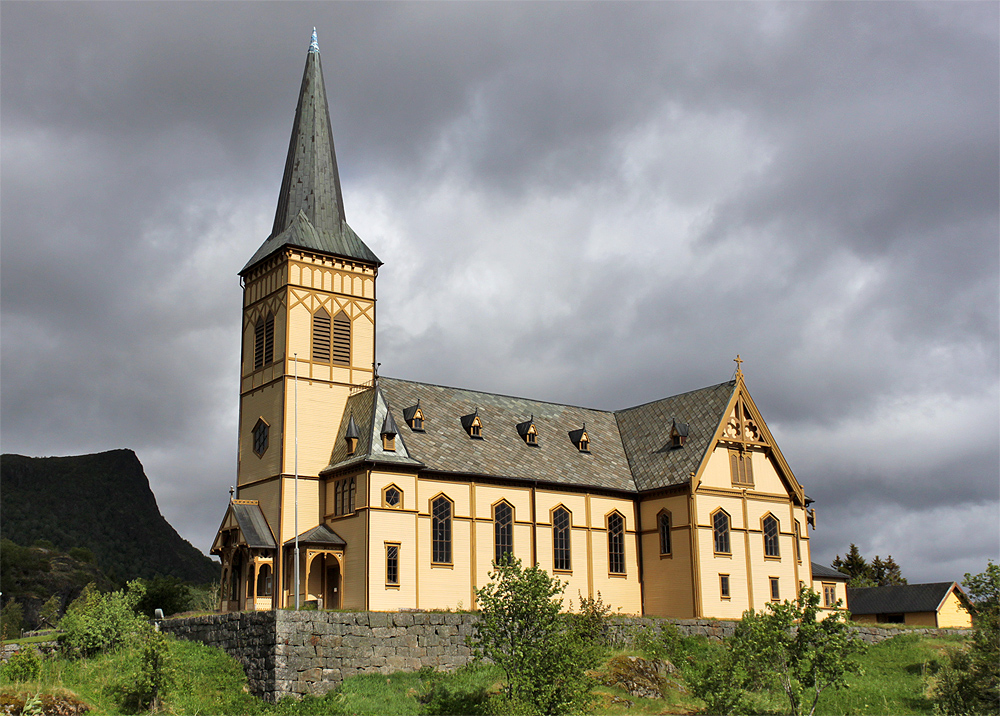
167,593
97,622
969,683
520,629
664,644
49,613
145,676
788,648
11,620
24,665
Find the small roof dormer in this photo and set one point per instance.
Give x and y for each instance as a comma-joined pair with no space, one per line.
580,439
351,435
473,425
414,417
678,434
528,431
389,432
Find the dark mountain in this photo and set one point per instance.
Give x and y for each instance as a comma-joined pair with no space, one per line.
101,502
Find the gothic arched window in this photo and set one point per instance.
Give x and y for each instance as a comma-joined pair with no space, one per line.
771,537
720,528
503,531
664,526
561,539
441,510
616,543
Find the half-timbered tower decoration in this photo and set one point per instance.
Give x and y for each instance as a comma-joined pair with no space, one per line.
407,492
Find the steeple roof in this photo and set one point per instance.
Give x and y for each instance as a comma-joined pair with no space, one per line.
310,211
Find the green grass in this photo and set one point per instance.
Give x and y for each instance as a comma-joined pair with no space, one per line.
210,682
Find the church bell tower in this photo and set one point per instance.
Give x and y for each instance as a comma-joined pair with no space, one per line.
308,334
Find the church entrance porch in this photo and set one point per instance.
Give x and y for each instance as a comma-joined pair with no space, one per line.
321,568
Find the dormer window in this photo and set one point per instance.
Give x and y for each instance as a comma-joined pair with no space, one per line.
414,417
351,436
528,431
389,432
678,434
580,439
473,425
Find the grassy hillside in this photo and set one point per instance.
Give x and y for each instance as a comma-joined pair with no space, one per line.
209,681
101,502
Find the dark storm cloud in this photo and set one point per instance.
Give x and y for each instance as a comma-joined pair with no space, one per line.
591,202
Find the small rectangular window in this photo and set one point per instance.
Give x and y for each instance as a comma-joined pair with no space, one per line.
391,564
724,585
775,591
829,595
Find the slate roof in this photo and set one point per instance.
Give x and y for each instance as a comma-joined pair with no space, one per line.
319,535
629,450
645,431
820,571
253,526
310,211
900,599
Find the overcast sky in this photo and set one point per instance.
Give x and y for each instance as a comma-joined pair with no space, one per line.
598,204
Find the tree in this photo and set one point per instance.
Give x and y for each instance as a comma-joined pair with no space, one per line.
538,651
97,622
878,573
970,682
787,646
167,593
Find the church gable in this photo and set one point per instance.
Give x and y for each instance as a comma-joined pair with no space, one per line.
744,454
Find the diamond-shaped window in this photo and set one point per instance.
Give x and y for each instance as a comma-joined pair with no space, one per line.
260,432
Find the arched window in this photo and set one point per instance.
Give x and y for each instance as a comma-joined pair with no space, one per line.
234,584
561,539
771,537
720,527
616,543
342,339
264,581
441,530
664,525
503,531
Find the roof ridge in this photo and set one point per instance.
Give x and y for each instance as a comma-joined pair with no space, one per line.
498,395
676,395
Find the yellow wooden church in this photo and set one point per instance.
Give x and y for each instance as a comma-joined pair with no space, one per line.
407,492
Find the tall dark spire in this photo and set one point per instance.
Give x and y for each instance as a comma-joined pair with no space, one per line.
310,210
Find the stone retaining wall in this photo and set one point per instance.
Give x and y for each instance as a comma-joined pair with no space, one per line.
287,652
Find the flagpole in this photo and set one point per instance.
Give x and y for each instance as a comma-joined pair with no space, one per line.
296,428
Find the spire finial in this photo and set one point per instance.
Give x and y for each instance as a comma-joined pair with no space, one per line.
314,45
739,365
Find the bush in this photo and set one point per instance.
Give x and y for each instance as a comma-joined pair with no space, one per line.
97,622
49,614
788,647
970,682
167,593
146,675
11,620
541,655
24,665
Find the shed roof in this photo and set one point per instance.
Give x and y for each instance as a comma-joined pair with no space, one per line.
252,524
319,535
820,571
899,599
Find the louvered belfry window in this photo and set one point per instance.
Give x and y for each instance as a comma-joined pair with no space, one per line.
258,344
263,341
342,339
269,339
321,337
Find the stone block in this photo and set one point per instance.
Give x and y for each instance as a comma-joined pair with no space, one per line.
403,619
379,619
